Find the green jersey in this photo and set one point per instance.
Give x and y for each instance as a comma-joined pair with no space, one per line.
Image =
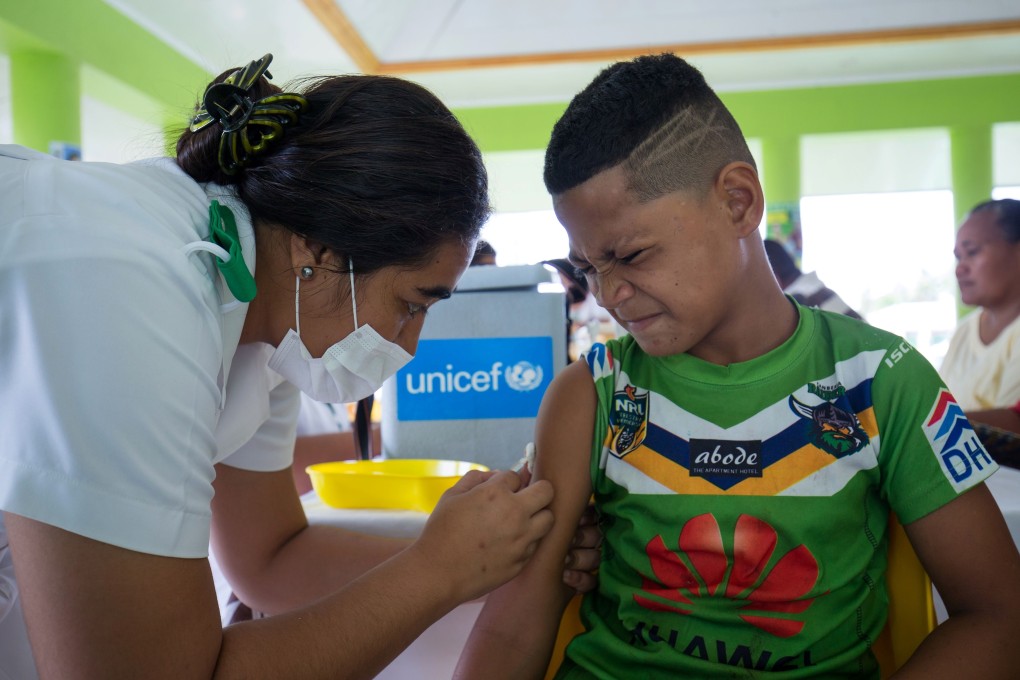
745,507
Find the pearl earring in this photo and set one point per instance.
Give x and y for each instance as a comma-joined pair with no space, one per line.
307,273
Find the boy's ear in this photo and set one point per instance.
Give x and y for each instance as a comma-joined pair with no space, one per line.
741,192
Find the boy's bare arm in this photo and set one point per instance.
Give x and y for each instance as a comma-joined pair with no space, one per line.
966,548
514,634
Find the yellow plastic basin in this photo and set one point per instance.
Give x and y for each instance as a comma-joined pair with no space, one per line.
401,484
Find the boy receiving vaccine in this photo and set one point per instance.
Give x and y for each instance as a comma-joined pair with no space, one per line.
744,452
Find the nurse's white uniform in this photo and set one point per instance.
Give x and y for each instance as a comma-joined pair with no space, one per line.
121,380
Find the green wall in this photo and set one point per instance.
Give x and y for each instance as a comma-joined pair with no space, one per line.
944,102
967,107
127,67
47,106
130,69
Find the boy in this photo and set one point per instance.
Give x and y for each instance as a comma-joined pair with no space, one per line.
744,451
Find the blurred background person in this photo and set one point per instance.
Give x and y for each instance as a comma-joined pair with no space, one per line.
587,322
999,431
325,433
982,365
484,254
1006,419
807,289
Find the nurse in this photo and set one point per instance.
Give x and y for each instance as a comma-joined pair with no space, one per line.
158,322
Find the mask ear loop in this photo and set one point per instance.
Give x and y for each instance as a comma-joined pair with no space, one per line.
350,269
363,419
220,253
297,304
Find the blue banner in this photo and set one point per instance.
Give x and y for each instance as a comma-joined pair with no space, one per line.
463,379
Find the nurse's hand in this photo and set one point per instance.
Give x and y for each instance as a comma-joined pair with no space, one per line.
484,529
584,556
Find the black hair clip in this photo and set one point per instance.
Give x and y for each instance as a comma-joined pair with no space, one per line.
230,104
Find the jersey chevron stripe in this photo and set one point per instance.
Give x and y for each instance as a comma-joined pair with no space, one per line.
791,463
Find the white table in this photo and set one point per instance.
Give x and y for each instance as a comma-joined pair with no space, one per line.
434,654
1005,488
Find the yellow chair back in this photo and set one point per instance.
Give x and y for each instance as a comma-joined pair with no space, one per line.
911,606
570,626
911,609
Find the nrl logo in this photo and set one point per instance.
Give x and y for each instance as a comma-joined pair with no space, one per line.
628,421
835,431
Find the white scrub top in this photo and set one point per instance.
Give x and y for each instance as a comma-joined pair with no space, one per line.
121,380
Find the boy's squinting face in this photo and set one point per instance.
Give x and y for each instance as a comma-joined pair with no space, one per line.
667,270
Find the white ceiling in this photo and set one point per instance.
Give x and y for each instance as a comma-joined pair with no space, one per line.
477,52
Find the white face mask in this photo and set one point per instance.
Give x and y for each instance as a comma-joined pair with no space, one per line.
350,370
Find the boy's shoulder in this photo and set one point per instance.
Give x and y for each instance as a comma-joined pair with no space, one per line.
821,337
602,358
841,330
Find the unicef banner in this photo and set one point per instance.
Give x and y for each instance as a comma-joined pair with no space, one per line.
466,378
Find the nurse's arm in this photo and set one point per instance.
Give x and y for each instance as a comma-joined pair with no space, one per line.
514,634
96,611
966,548
272,558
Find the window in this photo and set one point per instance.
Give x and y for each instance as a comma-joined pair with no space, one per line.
890,256
523,228
878,228
118,123
114,136
6,115
1005,160
525,237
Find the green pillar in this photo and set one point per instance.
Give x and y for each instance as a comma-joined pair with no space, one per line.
781,177
971,151
45,99
971,159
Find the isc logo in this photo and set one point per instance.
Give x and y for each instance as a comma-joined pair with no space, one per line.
894,356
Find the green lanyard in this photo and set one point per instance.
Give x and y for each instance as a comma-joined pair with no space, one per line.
223,232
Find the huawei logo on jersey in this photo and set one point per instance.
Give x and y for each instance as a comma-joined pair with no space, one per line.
774,591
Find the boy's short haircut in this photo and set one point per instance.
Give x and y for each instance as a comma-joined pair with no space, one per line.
657,116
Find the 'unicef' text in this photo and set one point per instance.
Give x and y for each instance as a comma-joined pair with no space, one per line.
455,381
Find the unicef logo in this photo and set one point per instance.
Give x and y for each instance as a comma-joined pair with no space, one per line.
523,376
475,378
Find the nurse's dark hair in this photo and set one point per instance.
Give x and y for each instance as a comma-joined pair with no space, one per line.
657,118
1006,212
375,168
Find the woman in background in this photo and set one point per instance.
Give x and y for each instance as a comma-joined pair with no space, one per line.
982,366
